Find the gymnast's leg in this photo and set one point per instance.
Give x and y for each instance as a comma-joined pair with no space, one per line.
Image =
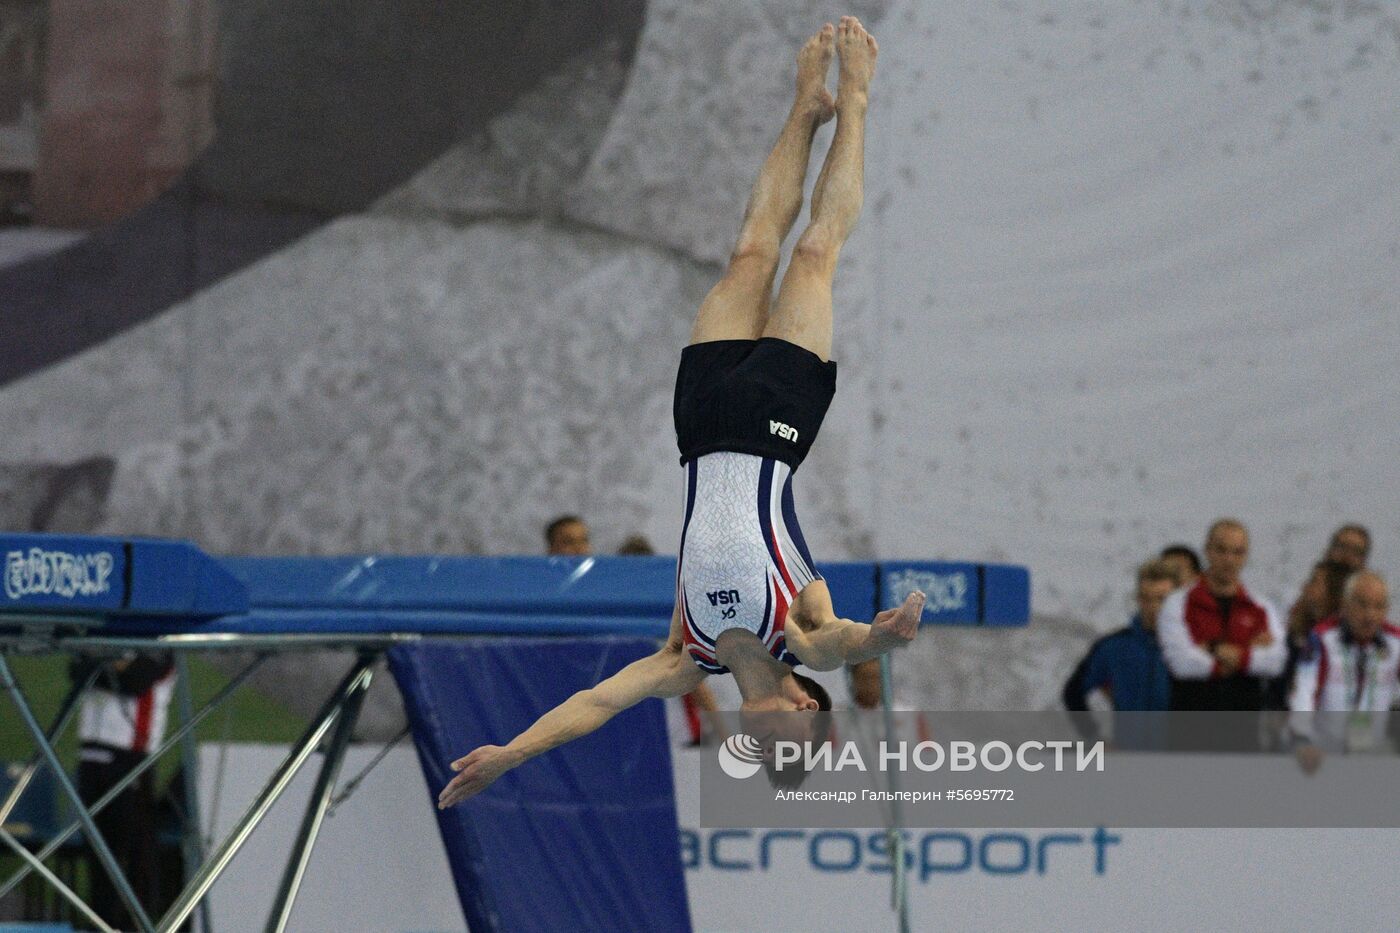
803,312
737,307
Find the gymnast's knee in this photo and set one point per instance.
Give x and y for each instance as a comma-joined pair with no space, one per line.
817,248
755,253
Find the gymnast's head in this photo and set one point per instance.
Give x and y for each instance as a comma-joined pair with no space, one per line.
800,714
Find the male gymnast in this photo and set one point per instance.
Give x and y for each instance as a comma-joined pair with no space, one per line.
751,393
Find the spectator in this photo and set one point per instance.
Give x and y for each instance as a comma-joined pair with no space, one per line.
1184,561
121,720
567,536
1350,545
1349,668
1321,598
1217,638
865,684
1127,665
636,546
704,723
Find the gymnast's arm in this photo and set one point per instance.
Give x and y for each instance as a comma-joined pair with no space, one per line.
668,673
824,642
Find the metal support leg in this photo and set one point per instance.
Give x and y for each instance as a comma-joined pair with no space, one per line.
316,811
131,776
99,845
191,839
199,886
899,887
55,882
65,715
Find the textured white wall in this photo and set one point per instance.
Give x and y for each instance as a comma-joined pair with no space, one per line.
1142,261
1124,268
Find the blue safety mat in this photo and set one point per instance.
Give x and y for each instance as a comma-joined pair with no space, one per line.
582,838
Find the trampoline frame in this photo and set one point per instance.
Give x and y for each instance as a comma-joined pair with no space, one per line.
329,731
152,591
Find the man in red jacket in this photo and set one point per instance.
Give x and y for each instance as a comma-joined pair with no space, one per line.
1218,639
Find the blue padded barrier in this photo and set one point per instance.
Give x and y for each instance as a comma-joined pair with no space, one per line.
960,593
501,585
115,576
1006,595
581,838
51,572
953,590
853,589
142,587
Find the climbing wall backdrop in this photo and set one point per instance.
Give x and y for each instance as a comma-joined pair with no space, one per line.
1123,268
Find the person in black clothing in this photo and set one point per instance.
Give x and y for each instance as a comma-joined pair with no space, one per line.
122,719
1350,545
1321,598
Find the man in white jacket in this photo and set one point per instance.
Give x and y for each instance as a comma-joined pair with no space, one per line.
1348,676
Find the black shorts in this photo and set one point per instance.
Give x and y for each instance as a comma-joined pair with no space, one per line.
765,397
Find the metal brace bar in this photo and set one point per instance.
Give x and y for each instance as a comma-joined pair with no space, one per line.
101,803
65,715
300,857
373,641
191,839
899,882
56,882
199,886
99,844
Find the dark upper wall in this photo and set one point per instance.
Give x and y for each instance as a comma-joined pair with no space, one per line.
322,106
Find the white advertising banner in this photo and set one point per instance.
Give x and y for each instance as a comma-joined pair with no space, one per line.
380,866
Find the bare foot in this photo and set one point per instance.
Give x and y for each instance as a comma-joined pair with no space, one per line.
858,50
812,64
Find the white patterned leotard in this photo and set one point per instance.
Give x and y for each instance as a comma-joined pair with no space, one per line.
742,558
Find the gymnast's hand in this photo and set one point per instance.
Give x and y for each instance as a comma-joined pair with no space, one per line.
475,773
895,627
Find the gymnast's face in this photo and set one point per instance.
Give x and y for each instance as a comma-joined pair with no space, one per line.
788,717
796,726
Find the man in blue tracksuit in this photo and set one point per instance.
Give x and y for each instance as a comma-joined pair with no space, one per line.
1127,665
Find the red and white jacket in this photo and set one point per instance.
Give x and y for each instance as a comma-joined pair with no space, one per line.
1190,623
130,723
1338,675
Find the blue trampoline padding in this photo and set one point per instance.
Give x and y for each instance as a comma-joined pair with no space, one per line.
114,576
853,589
960,593
582,838
1006,595
532,585
386,621
144,587
604,586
